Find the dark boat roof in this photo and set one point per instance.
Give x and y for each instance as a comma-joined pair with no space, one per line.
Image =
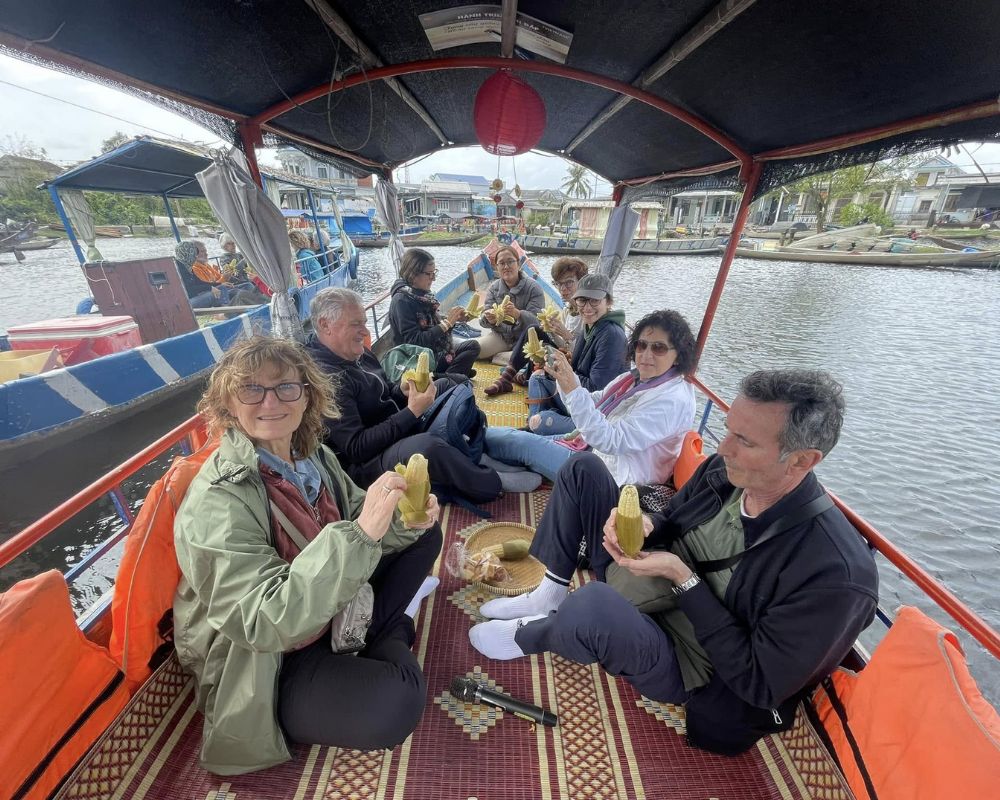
741,79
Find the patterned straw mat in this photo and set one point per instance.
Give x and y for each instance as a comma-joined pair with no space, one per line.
610,743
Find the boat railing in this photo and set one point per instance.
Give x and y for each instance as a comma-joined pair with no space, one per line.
976,626
191,434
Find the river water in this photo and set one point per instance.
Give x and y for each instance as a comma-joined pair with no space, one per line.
916,351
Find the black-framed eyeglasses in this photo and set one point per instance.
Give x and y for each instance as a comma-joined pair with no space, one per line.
253,394
658,348
509,262
568,284
589,301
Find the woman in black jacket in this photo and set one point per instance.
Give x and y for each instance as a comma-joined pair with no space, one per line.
414,317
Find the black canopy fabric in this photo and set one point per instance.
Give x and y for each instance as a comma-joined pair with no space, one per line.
777,74
979,197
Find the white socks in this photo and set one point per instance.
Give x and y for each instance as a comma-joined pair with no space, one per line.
495,639
547,597
429,585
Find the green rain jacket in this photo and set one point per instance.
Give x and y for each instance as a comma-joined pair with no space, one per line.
239,605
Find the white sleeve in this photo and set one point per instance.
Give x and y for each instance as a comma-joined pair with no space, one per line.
649,421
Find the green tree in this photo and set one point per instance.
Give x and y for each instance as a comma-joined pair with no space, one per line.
115,140
577,183
855,214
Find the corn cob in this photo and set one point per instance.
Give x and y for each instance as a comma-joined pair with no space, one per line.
421,376
629,522
475,306
512,550
533,348
413,503
500,313
547,316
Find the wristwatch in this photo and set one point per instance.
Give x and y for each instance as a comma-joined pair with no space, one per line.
690,583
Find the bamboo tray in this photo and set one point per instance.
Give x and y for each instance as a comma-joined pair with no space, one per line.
525,574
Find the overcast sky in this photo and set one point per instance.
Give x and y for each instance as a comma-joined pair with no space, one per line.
72,133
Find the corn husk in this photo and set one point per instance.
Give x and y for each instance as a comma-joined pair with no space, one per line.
629,522
421,375
500,312
511,550
475,306
413,503
547,316
533,348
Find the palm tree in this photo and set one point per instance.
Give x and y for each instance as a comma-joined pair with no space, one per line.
576,183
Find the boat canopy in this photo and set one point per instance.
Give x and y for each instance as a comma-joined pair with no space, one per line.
655,97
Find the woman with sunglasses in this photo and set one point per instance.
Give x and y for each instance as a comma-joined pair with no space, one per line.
635,425
522,298
273,540
414,317
599,354
566,274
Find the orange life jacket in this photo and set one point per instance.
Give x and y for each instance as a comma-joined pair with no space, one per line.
689,460
916,725
59,691
142,605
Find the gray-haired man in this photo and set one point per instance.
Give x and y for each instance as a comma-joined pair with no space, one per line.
750,588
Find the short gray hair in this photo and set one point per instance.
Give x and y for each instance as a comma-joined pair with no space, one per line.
815,406
329,304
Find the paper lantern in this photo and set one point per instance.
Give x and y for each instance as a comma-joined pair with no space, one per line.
519,205
509,116
497,198
497,185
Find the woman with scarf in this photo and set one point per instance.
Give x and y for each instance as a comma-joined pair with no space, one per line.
205,285
599,354
308,265
414,317
635,426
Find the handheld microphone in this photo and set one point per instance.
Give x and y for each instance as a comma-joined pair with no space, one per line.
468,691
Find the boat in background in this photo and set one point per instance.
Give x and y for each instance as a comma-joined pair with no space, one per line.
567,246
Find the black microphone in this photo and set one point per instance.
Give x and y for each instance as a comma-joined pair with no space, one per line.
468,691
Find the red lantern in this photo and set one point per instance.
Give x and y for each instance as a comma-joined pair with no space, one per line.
519,205
509,115
497,198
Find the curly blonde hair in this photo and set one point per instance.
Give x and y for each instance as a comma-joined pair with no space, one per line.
247,358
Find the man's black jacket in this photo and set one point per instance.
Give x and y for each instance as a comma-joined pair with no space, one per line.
792,610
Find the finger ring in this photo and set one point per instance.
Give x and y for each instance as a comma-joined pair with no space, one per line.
386,489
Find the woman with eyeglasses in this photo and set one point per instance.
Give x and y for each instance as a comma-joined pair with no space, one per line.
414,317
273,539
566,274
599,354
635,425
521,297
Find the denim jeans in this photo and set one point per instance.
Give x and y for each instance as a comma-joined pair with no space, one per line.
555,415
538,453
204,300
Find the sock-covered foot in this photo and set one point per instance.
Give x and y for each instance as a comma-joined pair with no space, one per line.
548,596
429,585
495,639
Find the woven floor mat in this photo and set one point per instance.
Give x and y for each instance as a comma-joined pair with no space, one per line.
504,409
610,743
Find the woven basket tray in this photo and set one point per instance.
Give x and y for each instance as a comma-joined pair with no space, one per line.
525,574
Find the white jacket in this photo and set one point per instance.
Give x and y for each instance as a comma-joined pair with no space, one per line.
640,440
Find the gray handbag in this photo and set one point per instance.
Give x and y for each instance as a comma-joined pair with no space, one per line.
349,626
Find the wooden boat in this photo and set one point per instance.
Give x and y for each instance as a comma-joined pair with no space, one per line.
611,741
985,260
37,244
560,245
383,240
451,241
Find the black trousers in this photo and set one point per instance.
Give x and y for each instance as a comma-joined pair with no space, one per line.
372,700
582,498
518,359
449,468
465,356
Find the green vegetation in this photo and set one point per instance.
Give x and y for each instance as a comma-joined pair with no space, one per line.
577,182
854,214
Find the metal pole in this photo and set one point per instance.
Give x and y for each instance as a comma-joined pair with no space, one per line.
727,258
170,215
319,239
57,202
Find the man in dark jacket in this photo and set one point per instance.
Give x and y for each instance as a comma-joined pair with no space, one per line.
754,585
378,426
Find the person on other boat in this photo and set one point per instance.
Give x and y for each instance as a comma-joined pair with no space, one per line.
526,299
273,539
566,273
379,424
205,285
635,425
306,262
414,317
739,641
599,354
251,290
